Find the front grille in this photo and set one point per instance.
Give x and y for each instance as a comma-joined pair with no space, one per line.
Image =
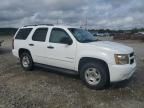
132,54
131,58
131,61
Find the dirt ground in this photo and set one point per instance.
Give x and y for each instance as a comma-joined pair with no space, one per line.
44,88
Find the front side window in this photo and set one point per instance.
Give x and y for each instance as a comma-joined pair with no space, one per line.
40,34
23,33
58,36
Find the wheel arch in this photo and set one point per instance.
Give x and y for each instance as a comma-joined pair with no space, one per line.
84,60
21,50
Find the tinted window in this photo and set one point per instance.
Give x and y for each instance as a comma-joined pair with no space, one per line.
23,33
40,34
57,35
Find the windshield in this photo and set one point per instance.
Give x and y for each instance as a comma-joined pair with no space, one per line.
82,36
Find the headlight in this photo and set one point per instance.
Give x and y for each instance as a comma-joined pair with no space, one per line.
121,59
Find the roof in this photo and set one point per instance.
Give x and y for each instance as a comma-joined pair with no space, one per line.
49,25
39,25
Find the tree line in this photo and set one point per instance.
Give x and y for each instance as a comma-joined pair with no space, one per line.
12,31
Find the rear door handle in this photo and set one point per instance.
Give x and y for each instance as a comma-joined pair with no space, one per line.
50,47
31,44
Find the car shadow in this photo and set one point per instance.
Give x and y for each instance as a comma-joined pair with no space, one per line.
112,86
121,84
60,73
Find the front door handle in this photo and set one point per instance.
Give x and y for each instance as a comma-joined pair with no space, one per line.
31,44
50,47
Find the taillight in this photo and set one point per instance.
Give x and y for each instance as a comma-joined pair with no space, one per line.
13,43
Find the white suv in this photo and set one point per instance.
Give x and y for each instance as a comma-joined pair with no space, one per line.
76,51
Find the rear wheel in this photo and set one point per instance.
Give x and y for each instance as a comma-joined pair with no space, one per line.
94,75
26,61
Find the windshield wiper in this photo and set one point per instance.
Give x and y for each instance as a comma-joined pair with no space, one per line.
88,40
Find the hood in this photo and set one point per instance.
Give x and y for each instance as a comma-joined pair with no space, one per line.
117,47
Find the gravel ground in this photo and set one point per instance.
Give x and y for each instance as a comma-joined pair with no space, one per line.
44,88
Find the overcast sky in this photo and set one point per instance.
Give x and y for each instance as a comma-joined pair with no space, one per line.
117,14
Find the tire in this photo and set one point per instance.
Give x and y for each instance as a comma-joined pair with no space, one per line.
26,61
94,75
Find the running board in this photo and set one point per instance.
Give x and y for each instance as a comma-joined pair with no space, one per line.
67,71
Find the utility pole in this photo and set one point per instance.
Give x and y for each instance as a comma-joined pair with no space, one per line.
81,23
57,21
86,23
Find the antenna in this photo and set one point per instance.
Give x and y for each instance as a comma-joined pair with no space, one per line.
86,23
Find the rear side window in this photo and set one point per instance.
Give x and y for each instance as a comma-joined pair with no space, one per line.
40,34
23,33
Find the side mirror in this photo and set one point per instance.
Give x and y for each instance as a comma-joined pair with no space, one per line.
67,40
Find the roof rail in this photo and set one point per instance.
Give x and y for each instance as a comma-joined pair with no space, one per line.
39,25
46,24
29,25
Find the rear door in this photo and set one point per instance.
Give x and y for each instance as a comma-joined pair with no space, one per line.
38,45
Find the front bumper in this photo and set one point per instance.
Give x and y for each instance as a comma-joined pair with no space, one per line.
121,72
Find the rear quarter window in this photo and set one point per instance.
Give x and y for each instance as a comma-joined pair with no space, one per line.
23,33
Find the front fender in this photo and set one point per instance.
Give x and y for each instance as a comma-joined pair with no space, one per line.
97,55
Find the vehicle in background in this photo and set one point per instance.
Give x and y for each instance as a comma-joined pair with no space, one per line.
101,34
1,41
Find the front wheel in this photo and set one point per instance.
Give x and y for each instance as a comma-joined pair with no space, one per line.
94,75
26,61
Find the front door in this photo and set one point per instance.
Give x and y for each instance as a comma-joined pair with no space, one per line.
59,53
